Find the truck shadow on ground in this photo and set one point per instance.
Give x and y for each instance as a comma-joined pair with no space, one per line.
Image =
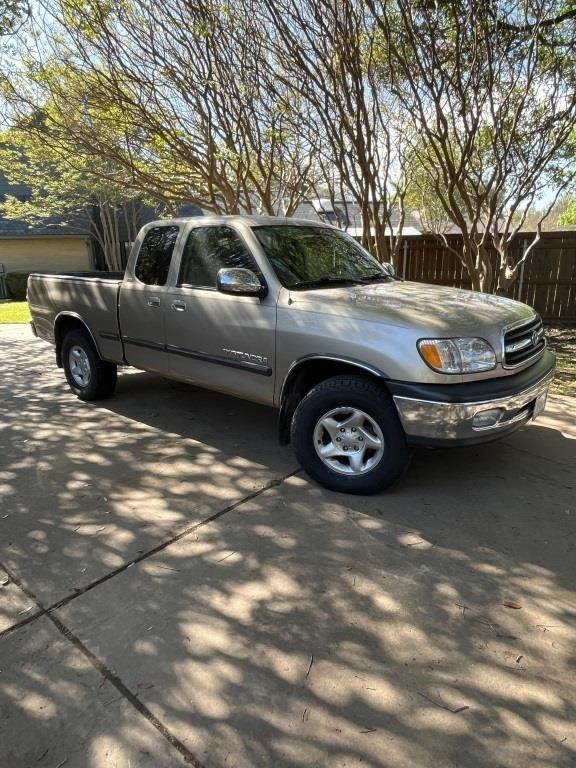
431,625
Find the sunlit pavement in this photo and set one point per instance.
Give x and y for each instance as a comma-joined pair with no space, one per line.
174,592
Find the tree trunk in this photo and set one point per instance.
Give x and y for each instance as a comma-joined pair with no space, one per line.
381,250
470,262
374,232
484,268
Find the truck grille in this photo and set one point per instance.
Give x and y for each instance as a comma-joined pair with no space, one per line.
523,342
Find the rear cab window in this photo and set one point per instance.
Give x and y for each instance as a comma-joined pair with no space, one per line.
155,254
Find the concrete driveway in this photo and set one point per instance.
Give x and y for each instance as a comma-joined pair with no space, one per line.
174,591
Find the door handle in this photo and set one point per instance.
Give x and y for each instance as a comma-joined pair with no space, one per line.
179,306
153,301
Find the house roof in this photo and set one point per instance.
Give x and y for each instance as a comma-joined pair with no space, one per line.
349,216
77,224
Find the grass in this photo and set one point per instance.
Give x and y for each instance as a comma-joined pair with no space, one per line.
562,341
14,312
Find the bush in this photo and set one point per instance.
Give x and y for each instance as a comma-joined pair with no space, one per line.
16,284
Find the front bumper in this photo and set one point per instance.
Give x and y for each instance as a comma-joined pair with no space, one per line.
459,415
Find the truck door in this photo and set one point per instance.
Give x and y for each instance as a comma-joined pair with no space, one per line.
218,340
143,299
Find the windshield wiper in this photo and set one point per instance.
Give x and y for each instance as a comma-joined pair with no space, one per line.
327,280
376,276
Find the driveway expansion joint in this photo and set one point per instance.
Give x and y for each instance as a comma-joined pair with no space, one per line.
537,456
126,693
168,542
30,595
97,663
143,556
107,673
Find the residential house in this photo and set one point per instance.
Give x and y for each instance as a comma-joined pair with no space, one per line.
54,246
58,245
348,216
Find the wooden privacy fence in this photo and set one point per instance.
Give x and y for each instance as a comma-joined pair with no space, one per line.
547,280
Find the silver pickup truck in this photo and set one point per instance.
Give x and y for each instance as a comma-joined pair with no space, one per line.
296,315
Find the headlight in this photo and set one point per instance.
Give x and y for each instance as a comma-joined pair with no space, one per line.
457,355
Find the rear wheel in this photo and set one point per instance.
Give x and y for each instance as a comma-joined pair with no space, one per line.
347,436
89,377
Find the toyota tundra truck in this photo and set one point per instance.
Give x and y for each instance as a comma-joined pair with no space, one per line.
297,315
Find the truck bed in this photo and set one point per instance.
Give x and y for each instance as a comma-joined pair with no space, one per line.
91,296
98,274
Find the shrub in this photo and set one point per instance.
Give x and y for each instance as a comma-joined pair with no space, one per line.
16,284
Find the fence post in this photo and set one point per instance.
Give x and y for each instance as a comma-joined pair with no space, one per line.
405,245
521,275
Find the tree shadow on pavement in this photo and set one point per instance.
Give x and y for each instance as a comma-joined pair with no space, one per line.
433,625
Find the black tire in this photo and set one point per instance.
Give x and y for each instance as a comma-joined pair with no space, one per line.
358,395
101,379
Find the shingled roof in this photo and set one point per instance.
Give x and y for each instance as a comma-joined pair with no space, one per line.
77,224
350,216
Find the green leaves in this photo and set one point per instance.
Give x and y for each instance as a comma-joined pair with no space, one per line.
13,13
464,109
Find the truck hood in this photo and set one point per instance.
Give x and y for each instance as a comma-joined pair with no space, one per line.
437,310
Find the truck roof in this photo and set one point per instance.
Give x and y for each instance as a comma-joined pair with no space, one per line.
251,221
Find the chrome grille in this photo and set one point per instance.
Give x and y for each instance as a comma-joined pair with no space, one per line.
523,342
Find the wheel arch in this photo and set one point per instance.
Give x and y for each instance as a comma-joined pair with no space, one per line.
63,324
307,372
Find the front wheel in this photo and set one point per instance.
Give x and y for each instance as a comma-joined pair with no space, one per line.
348,437
89,377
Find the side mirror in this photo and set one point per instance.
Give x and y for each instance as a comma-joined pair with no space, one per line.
241,282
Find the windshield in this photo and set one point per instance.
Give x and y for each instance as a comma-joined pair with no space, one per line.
306,257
